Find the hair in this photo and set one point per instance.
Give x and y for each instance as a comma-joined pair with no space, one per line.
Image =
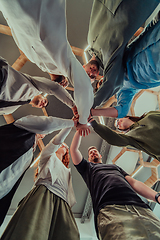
65,161
91,147
59,79
94,62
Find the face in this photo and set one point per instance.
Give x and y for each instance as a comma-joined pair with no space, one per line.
94,156
64,83
123,123
63,149
91,70
39,101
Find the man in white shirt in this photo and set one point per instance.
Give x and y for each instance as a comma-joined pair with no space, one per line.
17,89
39,30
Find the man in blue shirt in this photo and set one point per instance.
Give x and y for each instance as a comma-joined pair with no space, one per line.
142,71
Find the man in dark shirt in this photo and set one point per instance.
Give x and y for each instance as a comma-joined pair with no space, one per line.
119,211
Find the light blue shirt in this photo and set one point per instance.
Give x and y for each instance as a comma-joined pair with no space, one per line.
142,67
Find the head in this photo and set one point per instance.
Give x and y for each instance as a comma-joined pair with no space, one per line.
39,101
125,123
92,69
62,80
64,152
93,155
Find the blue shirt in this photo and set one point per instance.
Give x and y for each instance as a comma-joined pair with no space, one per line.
142,67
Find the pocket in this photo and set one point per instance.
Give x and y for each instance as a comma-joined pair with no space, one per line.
112,5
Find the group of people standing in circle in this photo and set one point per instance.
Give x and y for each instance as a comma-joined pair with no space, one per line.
39,30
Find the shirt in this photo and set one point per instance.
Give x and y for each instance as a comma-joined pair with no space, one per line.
142,67
41,35
22,87
54,175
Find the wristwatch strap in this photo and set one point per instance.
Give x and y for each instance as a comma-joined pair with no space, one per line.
156,197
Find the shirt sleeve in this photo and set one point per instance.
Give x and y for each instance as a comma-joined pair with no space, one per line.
83,90
43,124
124,100
82,167
53,145
122,171
113,138
45,85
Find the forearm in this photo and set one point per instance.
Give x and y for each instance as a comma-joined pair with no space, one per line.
106,112
43,124
142,189
74,149
61,136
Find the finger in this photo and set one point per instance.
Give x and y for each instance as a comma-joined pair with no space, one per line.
84,133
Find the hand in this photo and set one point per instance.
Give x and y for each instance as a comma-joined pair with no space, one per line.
83,129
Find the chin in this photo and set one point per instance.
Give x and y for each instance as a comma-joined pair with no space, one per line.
95,160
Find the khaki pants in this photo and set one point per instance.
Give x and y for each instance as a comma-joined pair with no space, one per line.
127,222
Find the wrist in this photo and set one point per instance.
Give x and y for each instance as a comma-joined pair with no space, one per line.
90,119
157,197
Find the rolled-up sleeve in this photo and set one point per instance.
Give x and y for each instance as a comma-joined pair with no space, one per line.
124,100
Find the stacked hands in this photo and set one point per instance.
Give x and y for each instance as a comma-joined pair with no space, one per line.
84,129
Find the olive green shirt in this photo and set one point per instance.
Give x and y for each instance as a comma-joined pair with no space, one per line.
143,135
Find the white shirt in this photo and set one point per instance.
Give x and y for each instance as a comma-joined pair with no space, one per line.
39,30
54,175
36,124
10,175
22,87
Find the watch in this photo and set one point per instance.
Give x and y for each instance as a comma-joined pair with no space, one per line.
156,197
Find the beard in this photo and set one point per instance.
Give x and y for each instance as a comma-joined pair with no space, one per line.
95,159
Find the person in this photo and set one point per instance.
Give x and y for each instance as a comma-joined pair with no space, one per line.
92,68
18,88
17,151
62,80
47,207
138,75
111,26
119,212
142,133
45,43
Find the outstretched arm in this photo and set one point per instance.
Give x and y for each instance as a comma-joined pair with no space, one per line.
106,112
53,145
43,124
45,85
142,189
74,149
113,138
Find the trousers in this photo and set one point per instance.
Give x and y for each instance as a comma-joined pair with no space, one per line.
127,222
